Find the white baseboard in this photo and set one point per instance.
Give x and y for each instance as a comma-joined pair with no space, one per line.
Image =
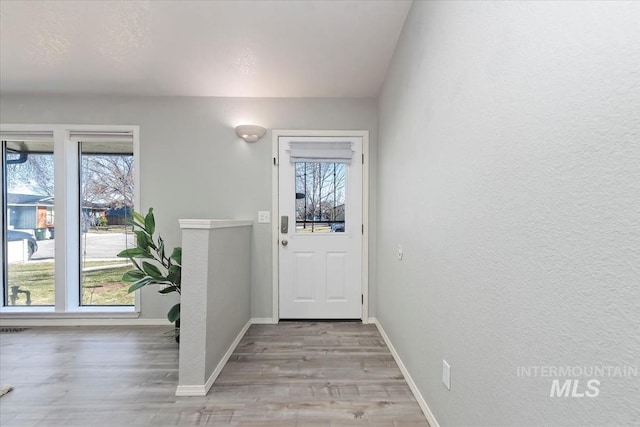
191,390
407,376
263,321
202,390
75,321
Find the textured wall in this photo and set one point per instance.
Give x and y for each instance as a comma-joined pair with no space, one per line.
216,297
509,171
193,165
229,302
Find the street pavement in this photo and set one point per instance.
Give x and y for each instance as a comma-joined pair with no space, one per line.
97,245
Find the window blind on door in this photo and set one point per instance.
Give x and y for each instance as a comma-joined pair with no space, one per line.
331,152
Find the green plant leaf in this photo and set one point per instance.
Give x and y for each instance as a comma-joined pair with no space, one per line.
168,289
132,276
142,240
150,222
134,224
174,313
134,253
176,255
175,274
138,219
152,270
140,283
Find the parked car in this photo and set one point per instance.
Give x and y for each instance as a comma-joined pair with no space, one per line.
337,227
14,236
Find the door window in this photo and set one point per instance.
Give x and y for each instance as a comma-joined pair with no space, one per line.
320,197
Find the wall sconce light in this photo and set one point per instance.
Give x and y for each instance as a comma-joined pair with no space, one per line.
250,133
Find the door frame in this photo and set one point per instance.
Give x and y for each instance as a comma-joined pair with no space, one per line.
275,214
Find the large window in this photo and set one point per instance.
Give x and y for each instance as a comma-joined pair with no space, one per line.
106,195
29,248
60,237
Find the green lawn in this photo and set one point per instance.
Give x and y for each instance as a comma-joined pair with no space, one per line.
100,287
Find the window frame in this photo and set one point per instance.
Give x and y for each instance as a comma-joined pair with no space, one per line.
67,212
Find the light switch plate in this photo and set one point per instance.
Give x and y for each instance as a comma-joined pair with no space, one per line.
446,374
264,217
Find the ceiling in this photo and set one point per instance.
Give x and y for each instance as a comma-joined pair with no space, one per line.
302,48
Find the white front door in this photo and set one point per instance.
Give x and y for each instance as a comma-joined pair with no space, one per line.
320,227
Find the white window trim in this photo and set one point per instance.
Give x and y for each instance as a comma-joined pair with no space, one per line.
67,196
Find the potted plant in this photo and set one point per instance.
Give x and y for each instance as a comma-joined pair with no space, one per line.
152,265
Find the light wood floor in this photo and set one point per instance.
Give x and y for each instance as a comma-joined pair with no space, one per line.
291,374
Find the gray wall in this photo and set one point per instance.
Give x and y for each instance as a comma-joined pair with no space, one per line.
216,299
194,166
229,297
509,171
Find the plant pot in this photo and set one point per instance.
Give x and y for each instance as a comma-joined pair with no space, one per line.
177,330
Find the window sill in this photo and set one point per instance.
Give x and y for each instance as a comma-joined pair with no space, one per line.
81,312
47,317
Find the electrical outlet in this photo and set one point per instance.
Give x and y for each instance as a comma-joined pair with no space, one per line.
264,217
400,253
446,374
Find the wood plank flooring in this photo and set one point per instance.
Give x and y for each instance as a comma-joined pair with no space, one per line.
291,374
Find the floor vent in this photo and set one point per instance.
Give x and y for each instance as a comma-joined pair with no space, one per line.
12,330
